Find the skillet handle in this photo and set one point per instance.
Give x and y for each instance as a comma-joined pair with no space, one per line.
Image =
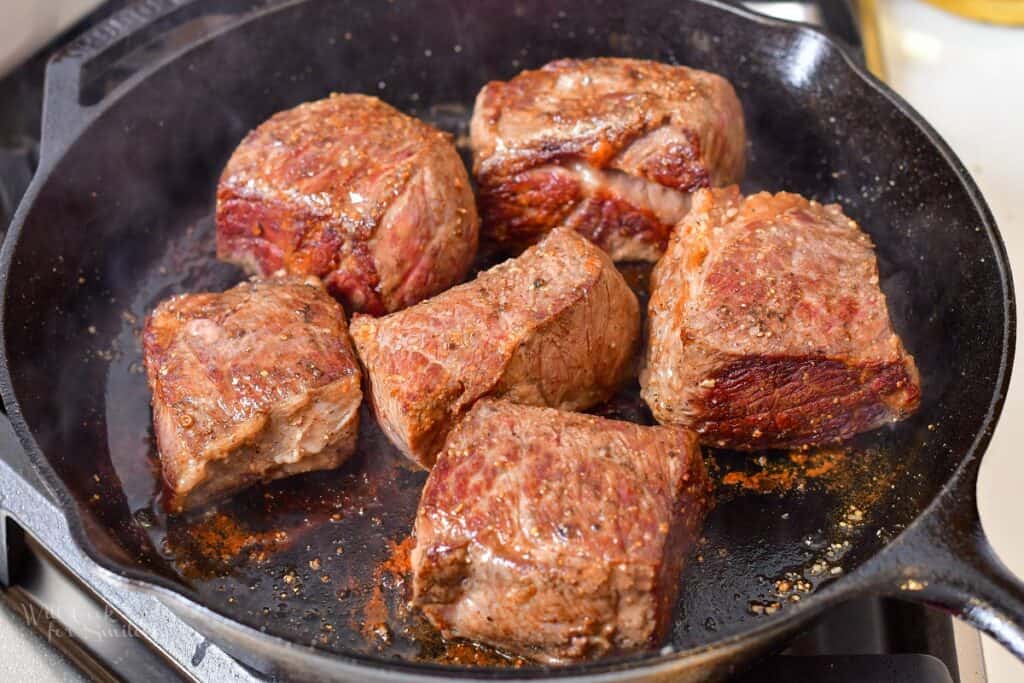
69,104
945,559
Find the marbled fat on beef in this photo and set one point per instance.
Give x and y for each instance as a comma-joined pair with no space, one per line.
610,147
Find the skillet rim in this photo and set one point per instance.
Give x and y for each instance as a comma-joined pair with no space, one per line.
845,586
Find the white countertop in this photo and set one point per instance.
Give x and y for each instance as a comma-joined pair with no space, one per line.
967,79
26,25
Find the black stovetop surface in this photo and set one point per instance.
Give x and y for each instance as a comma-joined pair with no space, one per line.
41,573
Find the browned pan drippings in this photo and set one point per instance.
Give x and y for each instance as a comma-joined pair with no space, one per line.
322,558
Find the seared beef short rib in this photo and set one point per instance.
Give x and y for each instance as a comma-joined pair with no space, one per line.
767,327
556,326
351,190
610,147
256,383
558,536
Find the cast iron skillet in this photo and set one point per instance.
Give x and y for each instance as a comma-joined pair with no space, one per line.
140,116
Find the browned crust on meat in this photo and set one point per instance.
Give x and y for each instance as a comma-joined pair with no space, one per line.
625,231
679,165
824,400
767,327
536,201
556,326
677,127
556,535
374,202
234,373
524,207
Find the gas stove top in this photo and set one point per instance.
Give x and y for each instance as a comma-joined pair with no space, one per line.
103,630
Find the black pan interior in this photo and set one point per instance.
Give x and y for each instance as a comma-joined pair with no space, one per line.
123,220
